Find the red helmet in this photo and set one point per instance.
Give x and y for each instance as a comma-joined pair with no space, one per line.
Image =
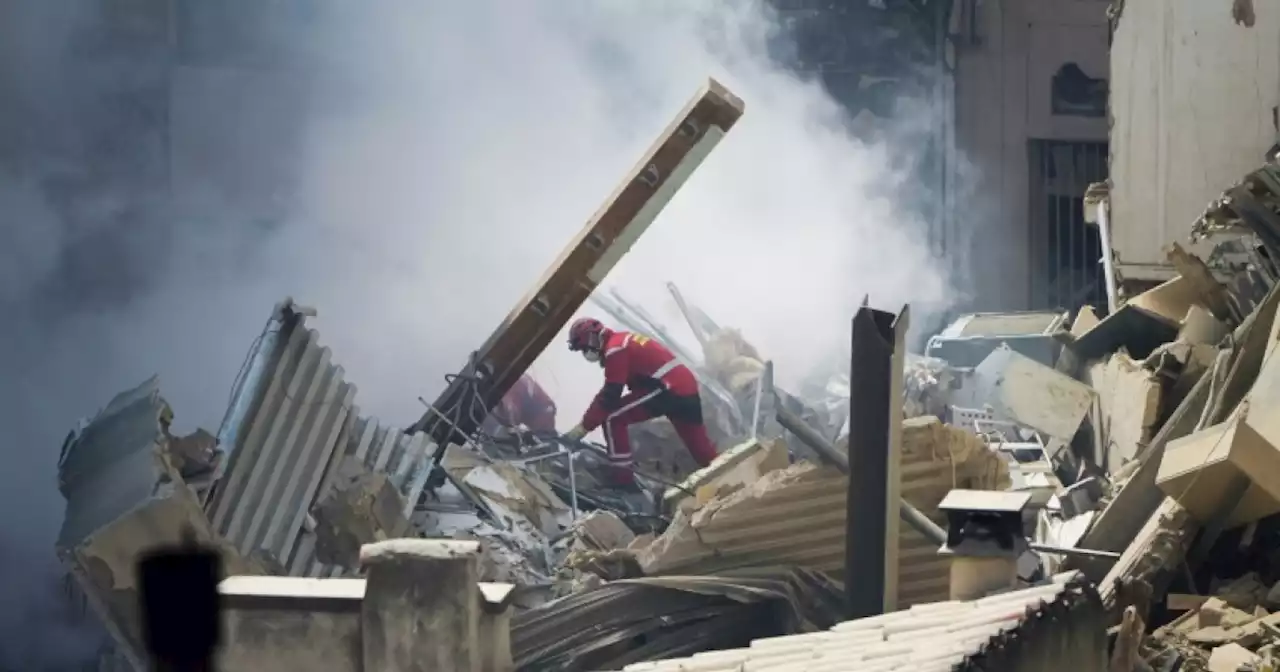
586,334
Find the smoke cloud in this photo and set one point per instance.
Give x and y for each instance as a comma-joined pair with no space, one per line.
409,169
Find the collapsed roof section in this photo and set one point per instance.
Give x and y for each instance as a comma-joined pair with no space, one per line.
292,429
1057,625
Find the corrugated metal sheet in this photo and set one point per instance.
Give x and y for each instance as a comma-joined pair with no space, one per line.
380,448
671,616
289,435
797,516
287,441
985,634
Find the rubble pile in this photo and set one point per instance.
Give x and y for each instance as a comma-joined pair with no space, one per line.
1138,452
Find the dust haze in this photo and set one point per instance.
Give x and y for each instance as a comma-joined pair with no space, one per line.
406,168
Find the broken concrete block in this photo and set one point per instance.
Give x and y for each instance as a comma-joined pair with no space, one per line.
508,557
1185,364
1248,635
125,497
735,468
360,508
1135,329
1230,658
641,541
1202,469
195,454
1243,593
1020,389
597,546
1170,300
1199,326
1211,612
1129,400
520,498
1085,320
1184,601
603,531
619,563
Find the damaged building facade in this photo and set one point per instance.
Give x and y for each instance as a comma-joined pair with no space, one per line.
1030,117
1085,487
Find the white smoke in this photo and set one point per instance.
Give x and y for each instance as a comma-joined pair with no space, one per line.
411,179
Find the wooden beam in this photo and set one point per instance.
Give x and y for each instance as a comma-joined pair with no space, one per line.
582,266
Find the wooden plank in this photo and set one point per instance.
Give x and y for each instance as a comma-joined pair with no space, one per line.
1183,601
584,263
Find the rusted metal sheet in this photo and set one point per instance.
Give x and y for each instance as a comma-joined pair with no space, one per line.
588,258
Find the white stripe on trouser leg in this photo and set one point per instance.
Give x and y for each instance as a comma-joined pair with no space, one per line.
608,424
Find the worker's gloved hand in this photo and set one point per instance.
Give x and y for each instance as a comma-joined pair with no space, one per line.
575,434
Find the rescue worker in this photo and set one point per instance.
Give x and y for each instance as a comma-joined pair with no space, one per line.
660,386
527,405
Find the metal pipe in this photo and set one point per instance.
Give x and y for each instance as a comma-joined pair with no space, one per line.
915,518
1081,552
810,437
1108,265
755,410
573,486
685,312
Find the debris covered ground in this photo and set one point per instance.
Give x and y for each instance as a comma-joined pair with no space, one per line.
1145,435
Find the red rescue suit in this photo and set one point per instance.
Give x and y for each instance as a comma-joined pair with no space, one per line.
660,386
526,403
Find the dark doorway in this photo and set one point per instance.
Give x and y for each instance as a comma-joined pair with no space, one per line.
1066,251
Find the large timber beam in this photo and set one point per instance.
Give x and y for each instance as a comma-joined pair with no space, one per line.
583,265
